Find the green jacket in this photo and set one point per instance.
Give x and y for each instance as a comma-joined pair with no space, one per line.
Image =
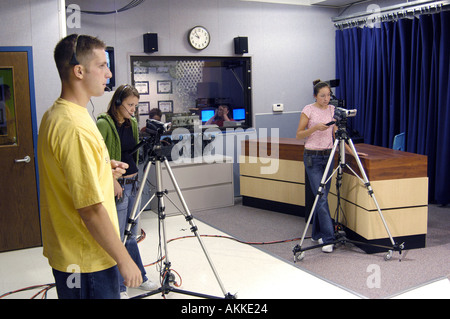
107,128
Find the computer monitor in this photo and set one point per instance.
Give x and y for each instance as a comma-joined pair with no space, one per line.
110,83
239,114
207,114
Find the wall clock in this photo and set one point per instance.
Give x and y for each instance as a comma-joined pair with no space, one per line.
199,37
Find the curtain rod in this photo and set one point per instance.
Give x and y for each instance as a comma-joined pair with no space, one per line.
395,12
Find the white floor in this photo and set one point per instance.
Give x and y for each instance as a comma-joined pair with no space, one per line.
437,289
243,270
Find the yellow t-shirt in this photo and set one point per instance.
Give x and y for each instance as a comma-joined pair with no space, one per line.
74,172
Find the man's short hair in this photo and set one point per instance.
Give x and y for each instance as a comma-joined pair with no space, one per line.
73,50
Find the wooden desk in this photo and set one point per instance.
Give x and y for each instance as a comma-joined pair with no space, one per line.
399,180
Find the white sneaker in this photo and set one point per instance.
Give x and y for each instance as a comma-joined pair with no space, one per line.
319,241
327,248
124,295
148,285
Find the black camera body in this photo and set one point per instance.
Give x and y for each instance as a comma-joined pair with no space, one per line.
154,127
341,114
152,142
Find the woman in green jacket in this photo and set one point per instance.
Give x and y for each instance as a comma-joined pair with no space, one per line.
120,131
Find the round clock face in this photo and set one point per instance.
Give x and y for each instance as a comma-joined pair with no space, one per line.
199,37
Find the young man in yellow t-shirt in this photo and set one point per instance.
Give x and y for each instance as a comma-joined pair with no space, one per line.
78,214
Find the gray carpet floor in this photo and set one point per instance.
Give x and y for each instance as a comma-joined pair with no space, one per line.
348,266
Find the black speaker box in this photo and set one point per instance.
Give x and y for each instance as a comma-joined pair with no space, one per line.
150,42
240,45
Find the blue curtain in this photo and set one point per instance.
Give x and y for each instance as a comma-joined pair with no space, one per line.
397,76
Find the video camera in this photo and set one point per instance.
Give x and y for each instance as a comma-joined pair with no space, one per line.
156,128
151,140
341,114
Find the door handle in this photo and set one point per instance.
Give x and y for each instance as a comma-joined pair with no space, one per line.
26,159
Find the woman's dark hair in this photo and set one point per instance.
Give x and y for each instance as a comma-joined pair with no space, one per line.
319,86
119,95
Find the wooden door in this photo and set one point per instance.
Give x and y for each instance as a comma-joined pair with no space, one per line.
19,208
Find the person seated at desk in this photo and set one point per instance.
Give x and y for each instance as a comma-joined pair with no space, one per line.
155,114
220,116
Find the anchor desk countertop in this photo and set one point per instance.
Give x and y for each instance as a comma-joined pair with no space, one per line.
399,180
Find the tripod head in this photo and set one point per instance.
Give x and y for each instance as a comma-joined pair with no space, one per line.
341,133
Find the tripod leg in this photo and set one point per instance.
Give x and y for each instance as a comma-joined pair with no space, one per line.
370,190
340,171
323,182
161,207
136,204
194,228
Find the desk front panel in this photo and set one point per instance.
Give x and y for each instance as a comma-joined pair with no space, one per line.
399,180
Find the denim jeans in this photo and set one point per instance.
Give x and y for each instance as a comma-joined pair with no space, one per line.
322,225
124,208
96,285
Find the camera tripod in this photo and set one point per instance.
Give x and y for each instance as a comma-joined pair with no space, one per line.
167,276
341,138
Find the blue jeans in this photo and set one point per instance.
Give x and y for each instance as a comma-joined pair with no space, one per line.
124,208
322,222
96,285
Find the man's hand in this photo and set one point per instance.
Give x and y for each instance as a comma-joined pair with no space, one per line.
99,225
118,168
131,274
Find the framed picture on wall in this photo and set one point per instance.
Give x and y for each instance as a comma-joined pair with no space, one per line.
162,69
142,87
166,106
164,87
144,108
